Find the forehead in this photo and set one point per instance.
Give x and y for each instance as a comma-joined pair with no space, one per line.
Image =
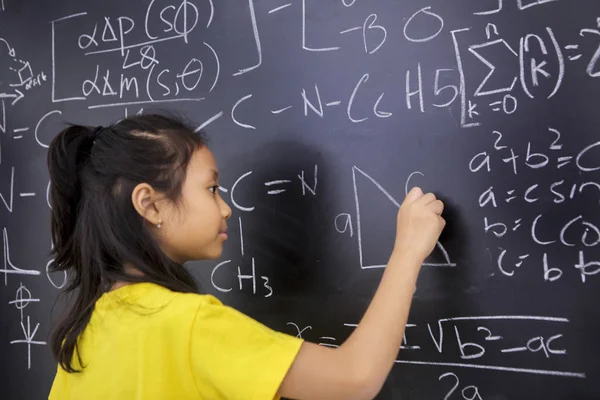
202,164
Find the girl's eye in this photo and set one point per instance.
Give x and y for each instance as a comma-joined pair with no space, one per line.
214,189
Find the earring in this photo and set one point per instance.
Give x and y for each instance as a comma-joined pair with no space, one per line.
159,224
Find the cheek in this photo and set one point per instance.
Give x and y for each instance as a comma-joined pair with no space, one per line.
202,221
200,232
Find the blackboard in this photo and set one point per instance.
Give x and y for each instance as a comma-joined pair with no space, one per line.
321,114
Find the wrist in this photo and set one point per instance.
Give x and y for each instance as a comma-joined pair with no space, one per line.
407,255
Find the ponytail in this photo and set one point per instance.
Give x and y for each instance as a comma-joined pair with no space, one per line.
68,158
95,229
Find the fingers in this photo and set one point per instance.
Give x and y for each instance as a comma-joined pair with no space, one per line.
414,194
436,206
426,199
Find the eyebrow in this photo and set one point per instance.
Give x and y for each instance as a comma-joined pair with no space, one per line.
215,174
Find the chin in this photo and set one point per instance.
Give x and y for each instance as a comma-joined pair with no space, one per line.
214,255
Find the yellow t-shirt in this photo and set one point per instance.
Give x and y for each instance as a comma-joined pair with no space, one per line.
147,342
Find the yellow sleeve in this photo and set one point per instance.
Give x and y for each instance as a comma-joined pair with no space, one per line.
236,357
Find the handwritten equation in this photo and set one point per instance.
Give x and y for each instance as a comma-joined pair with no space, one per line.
446,338
569,230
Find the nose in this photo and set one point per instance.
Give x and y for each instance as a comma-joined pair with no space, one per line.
225,209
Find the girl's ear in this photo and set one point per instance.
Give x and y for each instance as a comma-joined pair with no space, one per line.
144,199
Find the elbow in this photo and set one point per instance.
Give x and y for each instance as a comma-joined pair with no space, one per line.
365,385
364,377
372,387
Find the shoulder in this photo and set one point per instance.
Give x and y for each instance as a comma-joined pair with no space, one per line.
206,316
151,299
186,303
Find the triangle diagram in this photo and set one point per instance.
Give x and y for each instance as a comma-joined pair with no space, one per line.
368,261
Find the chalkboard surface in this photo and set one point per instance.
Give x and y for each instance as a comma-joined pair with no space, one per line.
321,115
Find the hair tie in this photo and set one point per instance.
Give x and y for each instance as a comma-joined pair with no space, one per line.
96,132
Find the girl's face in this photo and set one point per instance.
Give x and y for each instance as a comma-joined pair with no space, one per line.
196,228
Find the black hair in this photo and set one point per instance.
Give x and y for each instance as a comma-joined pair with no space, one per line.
96,230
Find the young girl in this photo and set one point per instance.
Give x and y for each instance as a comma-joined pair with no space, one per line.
131,203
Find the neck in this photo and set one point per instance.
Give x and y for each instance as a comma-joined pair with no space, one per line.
130,270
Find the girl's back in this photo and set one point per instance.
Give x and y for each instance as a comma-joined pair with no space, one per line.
144,341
